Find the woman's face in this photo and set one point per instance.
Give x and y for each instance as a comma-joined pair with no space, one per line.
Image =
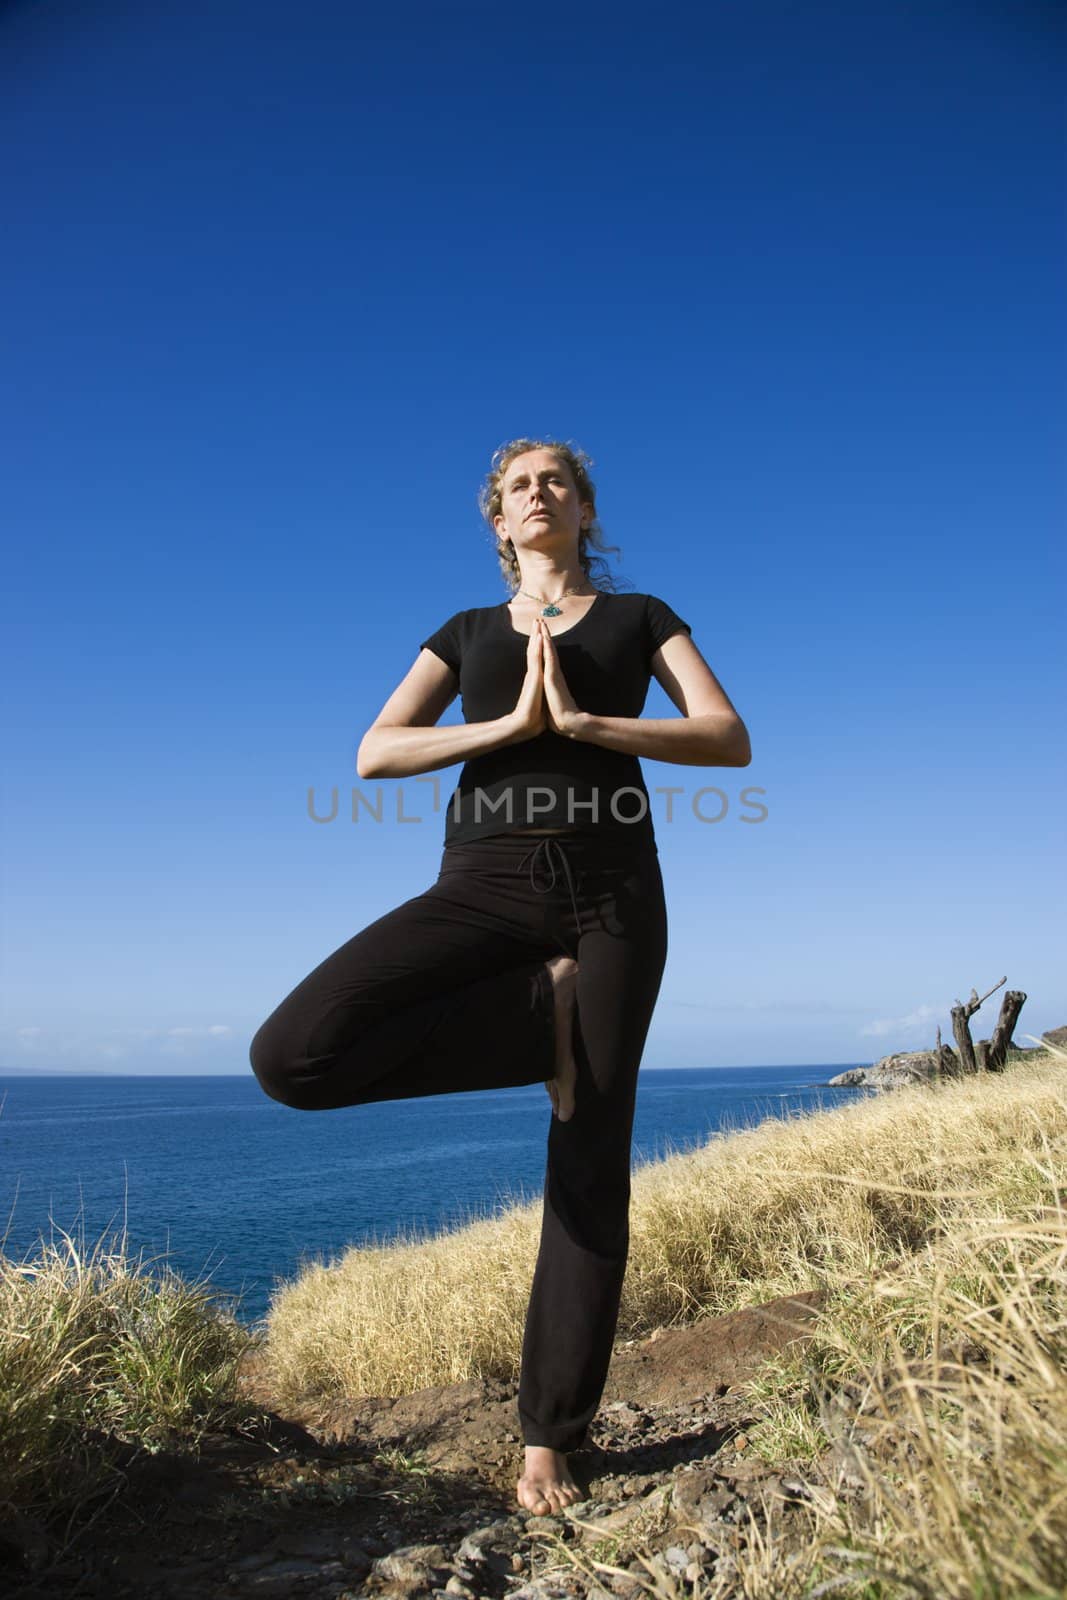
540,509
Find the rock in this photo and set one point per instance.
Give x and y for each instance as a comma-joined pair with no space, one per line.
502,1533
413,1565
700,1495
894,1071
616,1521
491,1547
628,1416
627,1588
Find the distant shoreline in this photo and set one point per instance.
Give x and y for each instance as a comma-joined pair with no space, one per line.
762,1066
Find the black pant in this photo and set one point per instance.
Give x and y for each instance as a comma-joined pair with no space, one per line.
450,992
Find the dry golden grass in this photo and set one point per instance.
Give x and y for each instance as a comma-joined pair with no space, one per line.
782,1207
937,1388
941,1389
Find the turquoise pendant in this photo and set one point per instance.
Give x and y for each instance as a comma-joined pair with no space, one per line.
552,611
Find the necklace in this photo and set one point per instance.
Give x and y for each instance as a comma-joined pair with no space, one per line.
550,608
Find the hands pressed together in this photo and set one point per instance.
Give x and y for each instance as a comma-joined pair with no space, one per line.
545,702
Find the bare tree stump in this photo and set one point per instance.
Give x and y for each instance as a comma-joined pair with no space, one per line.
962,1034
993,1053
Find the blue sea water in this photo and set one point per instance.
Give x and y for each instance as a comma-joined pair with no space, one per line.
225,1184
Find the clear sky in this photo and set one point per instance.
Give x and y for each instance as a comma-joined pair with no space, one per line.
277,280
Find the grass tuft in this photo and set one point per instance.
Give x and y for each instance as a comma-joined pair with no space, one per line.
100,1357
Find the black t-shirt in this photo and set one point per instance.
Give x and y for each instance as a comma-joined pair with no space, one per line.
548,780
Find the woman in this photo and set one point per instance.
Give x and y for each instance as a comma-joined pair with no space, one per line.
549,848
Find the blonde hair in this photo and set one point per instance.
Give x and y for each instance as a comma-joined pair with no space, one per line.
590,539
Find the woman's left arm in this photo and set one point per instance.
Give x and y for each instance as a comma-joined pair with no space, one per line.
709,733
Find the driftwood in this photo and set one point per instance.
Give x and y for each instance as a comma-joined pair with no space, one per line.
990,1055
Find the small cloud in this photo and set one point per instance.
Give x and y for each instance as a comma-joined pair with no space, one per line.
923,1020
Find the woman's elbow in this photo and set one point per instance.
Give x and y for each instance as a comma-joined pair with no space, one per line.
367,765
736,749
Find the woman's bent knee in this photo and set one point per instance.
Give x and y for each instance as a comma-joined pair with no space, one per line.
278,1073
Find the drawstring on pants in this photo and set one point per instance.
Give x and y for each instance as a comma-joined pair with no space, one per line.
541,854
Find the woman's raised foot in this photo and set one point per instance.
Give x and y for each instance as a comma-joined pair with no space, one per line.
563,971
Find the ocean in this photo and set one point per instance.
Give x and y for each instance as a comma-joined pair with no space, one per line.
227,1185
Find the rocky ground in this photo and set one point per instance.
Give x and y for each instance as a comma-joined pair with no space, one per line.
416,1496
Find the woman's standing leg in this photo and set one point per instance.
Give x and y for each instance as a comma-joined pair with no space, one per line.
577,1285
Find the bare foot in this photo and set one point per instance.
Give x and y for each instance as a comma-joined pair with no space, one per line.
546,1485
564,973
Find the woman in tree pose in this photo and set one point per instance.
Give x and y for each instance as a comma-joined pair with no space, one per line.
537,955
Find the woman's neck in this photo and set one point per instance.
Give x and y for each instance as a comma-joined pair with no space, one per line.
551,582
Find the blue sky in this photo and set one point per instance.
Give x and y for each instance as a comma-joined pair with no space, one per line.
278,281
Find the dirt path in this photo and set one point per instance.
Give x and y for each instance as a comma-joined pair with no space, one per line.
416,1496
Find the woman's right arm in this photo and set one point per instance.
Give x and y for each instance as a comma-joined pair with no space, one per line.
403,738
